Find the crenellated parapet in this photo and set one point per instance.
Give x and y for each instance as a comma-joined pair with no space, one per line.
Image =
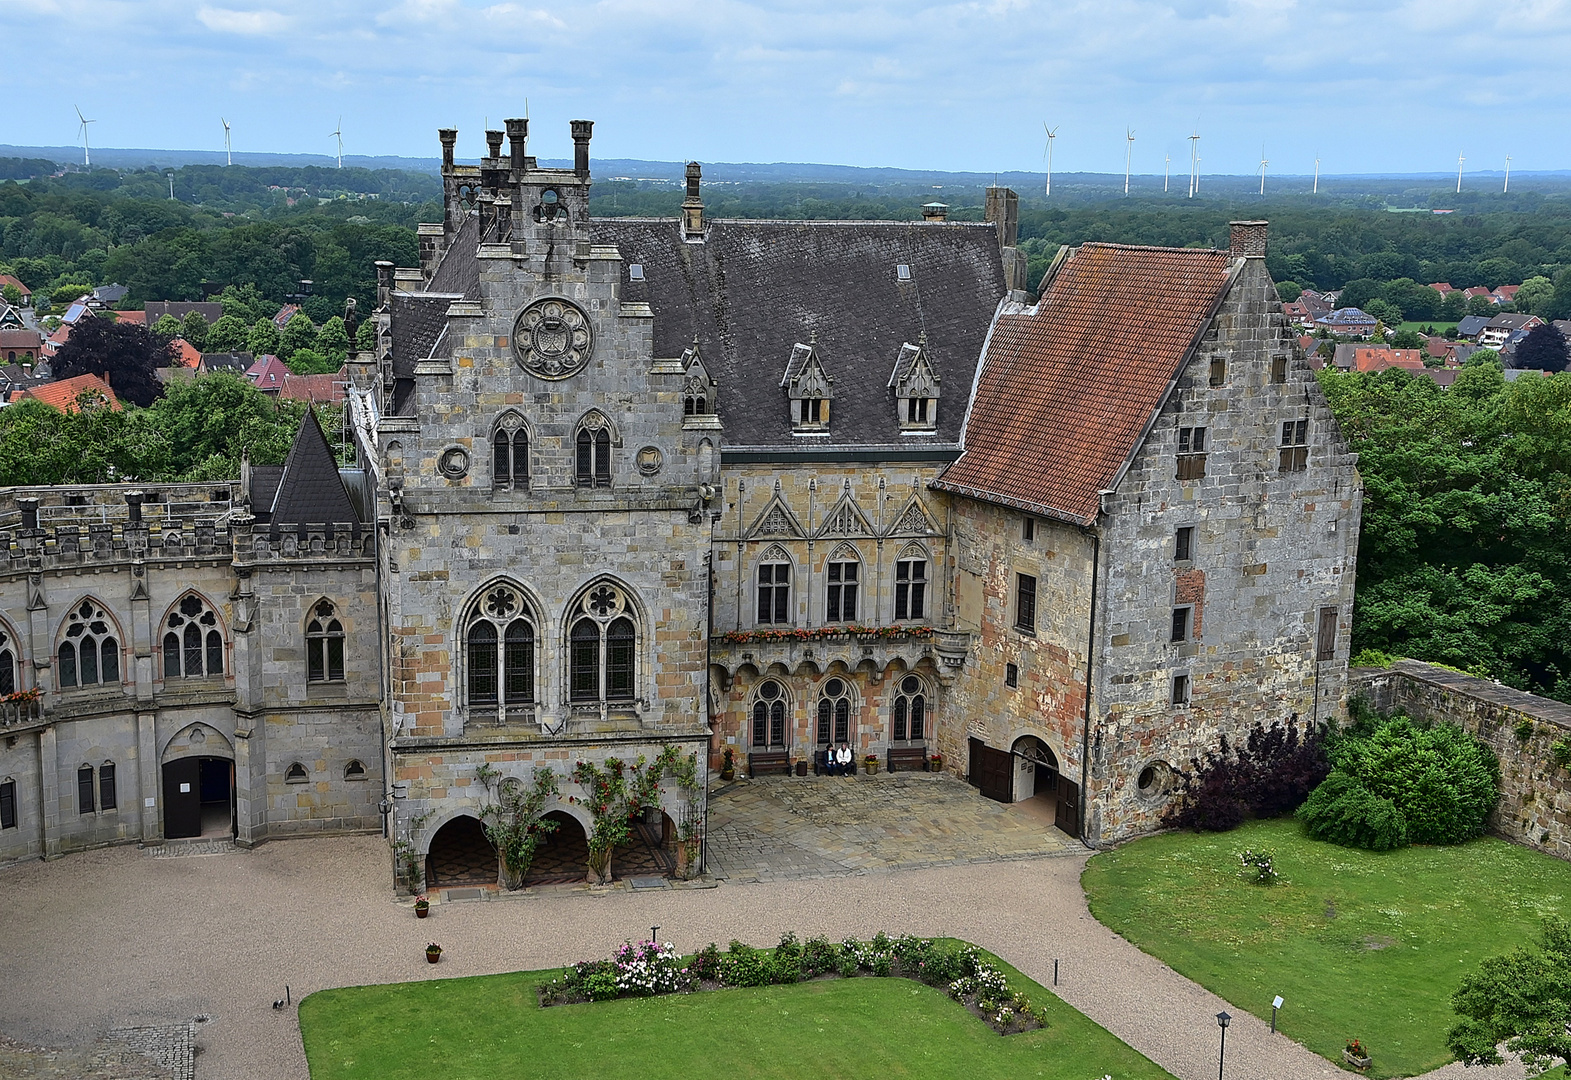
102,546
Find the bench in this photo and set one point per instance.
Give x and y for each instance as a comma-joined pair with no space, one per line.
765,762
907,758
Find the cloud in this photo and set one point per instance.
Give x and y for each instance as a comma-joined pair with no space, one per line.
226,21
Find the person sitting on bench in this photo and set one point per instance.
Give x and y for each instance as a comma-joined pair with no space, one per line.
845,760
826,761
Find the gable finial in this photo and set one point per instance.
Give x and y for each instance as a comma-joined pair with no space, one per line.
812,337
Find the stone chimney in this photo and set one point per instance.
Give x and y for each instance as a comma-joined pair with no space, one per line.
935,211
517,141
493,142
693,205
1247,239
449,137
1003,210
384,283
29,507
133,499
582,130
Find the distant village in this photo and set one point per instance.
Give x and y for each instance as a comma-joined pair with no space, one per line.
28,344
1350,339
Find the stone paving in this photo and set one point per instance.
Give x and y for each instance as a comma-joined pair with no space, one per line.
781,828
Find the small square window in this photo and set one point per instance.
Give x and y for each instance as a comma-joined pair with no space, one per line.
1325,646
1180,695
1294,455
1181,624
1192,440
1028,529
1011,674
1218,372
635,272
1184,544
1279,369
1025,603
903,272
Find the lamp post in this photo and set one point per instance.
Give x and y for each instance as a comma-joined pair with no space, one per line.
1223,1019
654,932
1276,1003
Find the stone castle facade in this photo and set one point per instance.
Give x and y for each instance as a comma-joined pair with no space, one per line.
757,486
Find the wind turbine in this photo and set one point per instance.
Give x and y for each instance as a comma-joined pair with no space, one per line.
228,151
1129,153
1507,188
1052,133
338,133
1263,164
1167,167
1194,163
1316,191
87,159
1459,160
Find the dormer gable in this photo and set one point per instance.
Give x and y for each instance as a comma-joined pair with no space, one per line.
698,389
809,388
916,387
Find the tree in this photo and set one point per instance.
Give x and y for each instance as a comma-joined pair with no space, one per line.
1407,339
123,354
246,304
1482,357
311,362
168,327
1521,999
1359,293
1385,311
228,334
1289,291
213,420
365,337
333,340
263,338
1535,293
40,444
299,334
1544,349
1482,305
1454,306
194,328
11,294
1558,306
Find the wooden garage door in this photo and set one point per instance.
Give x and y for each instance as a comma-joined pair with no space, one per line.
992,771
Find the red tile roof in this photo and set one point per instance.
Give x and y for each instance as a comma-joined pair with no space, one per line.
7,279
137,317
326,389
188,355
63,394
269,373
1376,358
1067,390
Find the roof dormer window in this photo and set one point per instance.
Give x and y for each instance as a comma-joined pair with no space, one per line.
810,389
698,390
916,388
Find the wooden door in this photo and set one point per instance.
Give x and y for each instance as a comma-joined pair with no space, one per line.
1068,818
992,771
183,798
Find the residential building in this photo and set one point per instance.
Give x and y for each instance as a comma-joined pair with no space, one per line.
1347,322
1499,330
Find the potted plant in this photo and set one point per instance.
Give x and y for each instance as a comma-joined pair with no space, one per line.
1355,1054
935,763
433,953
728,765
422,907
870,763
801,766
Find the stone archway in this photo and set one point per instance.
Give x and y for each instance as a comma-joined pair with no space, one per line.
460,854
563,856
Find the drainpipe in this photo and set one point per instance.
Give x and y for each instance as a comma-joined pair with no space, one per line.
1085,724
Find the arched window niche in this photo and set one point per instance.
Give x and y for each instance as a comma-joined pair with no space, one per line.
500,653
602,647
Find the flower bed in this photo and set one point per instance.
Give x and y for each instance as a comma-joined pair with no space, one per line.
649,968
820,633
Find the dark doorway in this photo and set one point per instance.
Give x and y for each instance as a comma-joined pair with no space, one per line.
564,855
1068,807
992,771
461,855
199,798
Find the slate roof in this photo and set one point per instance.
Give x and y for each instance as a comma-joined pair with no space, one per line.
311,492
237,362
1470,325
264,489
420,320
109,295
754,290
1513,321
211,311
1067,388
460,268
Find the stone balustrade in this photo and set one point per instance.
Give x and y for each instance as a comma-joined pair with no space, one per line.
875,648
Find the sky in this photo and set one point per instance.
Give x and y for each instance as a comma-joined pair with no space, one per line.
1366,85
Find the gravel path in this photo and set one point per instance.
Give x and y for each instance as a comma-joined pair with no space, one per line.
116,939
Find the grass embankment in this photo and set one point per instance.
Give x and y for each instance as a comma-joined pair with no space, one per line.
490,1028
1360,944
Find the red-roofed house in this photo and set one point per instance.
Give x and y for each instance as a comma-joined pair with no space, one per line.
27,294
1505,294
1442,287
63,395
269,374
1479,290
328,389
285,313
1376,358
186,354
136,318
19,346
1137,435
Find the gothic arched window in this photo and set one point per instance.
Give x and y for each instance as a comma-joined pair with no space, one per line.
592,465
774,587
7,664
602,647
90,654
324,645
834,713
193,644
769,716
510,453
500,649
910,711
911,584
845,572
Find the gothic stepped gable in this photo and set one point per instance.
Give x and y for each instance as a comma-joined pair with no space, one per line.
754,289
310,490
1069,386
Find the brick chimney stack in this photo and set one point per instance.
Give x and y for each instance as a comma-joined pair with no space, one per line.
493,142
582,130
517,140
693,205
449,137
1247,239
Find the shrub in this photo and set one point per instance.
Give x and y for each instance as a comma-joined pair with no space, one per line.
1524,730
1272,773
1371,658
1394,782
706,963
1560,750
1259,867
743,965
819,957
649,968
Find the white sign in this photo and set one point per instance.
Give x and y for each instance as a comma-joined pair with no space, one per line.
1276,1002
149,801
185,789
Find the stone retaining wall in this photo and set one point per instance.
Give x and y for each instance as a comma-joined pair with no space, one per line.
1535,796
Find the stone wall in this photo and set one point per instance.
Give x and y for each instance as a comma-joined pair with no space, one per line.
1535,796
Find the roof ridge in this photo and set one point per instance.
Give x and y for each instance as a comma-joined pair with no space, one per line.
1154,247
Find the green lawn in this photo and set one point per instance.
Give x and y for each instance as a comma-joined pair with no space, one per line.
1440,325
1360,943
491,1028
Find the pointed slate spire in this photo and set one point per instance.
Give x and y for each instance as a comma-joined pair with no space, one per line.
311,492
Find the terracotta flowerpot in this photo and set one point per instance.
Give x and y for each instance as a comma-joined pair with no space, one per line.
728,774
422,912
432,957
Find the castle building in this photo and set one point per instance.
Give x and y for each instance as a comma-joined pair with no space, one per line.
627,487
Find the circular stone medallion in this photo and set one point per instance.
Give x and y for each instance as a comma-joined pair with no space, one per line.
552,339
649,460
454,463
